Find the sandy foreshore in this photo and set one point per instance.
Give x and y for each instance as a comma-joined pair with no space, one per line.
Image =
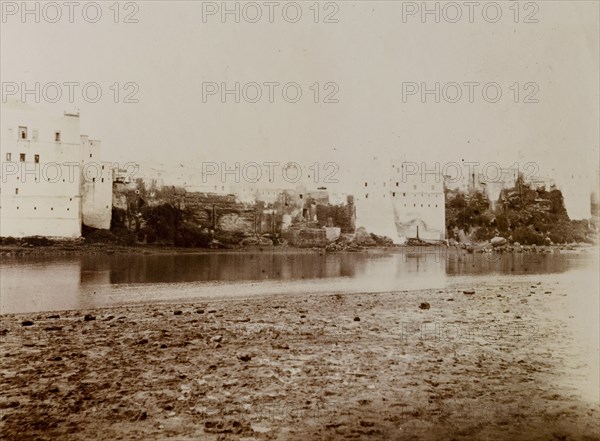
498,362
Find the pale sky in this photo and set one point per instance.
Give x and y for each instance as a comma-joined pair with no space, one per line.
369,54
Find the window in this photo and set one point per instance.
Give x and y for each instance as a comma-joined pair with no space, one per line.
404,194
57,136
393,194
22,132
36,159
396,184
366,184
102,179
90,155
22,157
8,156
367,196
16,191
93,179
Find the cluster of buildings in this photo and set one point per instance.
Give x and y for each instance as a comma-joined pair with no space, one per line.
578,186
54,181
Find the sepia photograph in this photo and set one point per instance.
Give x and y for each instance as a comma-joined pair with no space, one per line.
369,220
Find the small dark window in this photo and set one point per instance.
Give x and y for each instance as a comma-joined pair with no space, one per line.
366,184
36,159
396,184
102,179
90,155
22,157
57,136
394,194
16,191
22,132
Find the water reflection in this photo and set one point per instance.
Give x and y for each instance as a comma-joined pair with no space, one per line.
50,283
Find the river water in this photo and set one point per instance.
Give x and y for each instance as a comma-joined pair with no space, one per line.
47,283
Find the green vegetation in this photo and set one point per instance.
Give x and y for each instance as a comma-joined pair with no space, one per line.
522,214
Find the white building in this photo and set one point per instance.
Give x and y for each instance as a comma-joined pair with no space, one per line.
577,190
399,203
492,186
96,201
419,202
43,188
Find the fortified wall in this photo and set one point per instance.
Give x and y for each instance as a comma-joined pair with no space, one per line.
298,218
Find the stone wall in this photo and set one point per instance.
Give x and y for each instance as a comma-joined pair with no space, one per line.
342,216
306,237
227,214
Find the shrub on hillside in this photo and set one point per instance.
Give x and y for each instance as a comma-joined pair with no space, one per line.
189,236
527,236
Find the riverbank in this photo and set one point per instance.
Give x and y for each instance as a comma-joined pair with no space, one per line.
76,247
484,361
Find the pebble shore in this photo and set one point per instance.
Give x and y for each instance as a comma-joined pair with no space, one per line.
483,361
